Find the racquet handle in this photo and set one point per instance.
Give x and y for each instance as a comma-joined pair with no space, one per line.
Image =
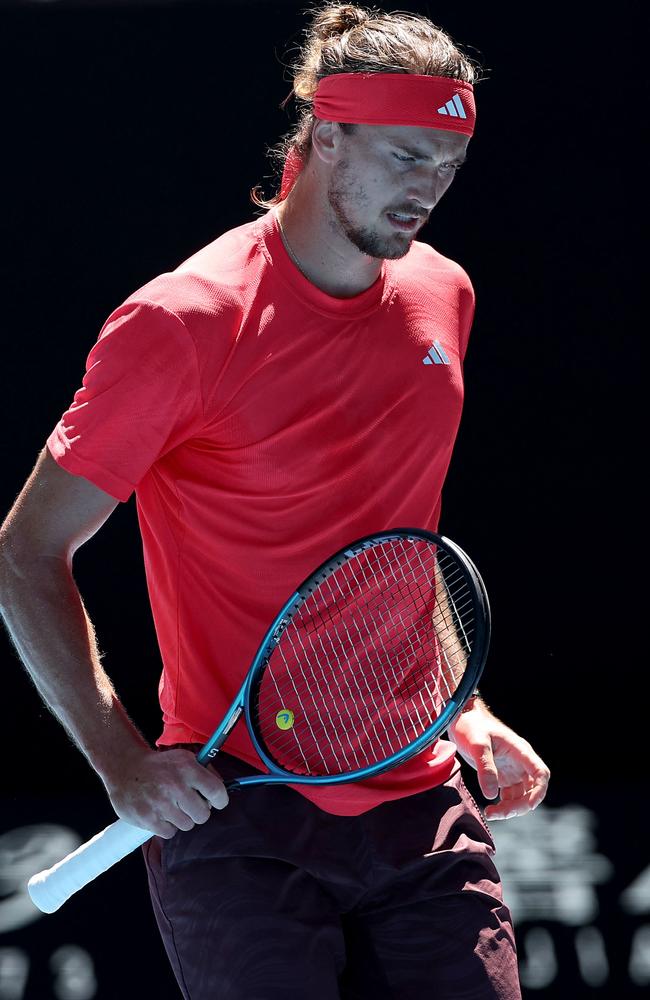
49,889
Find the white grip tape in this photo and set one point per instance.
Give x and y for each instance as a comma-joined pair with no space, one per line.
49,889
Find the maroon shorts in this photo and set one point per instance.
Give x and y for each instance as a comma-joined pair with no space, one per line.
274,899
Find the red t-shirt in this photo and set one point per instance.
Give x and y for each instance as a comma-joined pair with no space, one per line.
263,424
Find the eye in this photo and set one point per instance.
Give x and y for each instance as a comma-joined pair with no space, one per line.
404,159
454,166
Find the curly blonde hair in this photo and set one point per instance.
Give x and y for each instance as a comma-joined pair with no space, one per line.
343,38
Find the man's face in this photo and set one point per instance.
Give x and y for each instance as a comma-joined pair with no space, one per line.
383,170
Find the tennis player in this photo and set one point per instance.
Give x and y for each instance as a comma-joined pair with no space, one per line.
294,385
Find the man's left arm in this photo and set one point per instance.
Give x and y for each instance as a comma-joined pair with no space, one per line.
505,763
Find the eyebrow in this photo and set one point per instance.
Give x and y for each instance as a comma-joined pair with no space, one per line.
423,156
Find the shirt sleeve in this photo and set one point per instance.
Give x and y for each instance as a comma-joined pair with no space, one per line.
467,311
139,399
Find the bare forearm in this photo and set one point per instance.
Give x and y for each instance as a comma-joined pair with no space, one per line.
54,515
48,624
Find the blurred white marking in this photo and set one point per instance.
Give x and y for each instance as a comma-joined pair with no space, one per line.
23,851
14,971
539,968
592,958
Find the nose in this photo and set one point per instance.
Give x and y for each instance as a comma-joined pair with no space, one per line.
427,187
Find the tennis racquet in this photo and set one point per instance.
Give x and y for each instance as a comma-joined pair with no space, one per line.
367,663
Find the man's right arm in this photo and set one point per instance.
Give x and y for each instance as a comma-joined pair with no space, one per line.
53,516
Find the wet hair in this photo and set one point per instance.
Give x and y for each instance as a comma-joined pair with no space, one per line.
343,38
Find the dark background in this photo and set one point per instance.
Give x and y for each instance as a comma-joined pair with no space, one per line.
132,134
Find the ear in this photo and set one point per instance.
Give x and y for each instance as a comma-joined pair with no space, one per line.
326,140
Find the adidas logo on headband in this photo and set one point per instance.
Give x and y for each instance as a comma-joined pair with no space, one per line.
454,108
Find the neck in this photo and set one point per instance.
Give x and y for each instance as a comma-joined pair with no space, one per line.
318,246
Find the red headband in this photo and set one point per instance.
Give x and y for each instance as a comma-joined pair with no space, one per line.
389,99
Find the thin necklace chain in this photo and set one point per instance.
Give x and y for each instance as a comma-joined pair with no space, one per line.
288,248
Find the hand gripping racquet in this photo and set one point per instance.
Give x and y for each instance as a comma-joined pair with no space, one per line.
367,663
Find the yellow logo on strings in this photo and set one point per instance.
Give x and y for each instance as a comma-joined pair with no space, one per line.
284,719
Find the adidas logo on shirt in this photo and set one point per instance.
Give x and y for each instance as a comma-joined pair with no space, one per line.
454,107
436,355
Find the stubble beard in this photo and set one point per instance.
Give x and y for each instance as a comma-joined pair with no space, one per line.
366,239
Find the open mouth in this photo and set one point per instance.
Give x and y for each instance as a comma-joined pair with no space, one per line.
406,222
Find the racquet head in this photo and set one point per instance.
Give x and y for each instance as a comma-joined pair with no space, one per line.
371,660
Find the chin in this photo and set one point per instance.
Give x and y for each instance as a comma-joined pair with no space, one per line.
373,244
401,250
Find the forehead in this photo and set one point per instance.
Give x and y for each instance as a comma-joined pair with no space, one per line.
427,142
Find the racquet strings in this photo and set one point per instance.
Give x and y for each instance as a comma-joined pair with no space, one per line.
368,661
